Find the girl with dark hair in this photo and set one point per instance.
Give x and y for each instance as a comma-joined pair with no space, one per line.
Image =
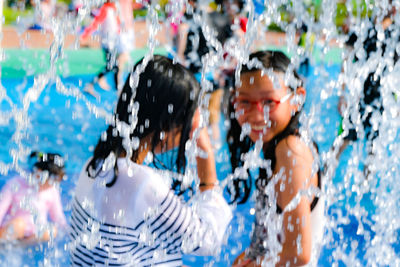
28,223
269,109
124,213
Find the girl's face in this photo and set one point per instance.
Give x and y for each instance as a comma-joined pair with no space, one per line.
267,110
44,179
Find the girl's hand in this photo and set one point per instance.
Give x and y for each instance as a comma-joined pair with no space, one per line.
206,169
205,165
203,141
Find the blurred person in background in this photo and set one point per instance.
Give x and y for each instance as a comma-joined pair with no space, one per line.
25,205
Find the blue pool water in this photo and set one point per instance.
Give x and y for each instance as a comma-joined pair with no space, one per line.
63,124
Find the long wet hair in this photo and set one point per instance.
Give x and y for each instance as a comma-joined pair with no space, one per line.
167,94
240,192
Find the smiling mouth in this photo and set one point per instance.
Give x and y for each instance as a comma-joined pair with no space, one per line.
258,128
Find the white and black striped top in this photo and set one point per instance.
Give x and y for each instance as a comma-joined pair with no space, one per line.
140,222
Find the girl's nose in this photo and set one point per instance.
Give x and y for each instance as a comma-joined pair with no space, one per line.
259,107
257,113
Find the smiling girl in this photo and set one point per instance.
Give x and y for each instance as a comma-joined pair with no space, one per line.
268,110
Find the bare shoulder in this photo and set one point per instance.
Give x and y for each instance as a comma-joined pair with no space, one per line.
292,147
295,158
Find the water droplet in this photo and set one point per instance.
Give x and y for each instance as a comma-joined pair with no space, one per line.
170,108
252,211
135,143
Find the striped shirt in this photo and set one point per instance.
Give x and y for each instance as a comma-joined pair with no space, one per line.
140,222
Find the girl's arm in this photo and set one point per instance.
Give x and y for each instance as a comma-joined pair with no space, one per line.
197,228
295,158
6,197
191,229
206,166
183,29
206,169
56,214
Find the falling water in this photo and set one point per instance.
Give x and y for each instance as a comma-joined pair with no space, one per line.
363,213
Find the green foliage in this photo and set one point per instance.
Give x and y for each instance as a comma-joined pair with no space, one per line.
274,28
359,8
341,14
142,13
67,2
11,14
313,7
139,13
314,10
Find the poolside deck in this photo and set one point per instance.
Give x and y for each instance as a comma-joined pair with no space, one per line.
33,39
27,53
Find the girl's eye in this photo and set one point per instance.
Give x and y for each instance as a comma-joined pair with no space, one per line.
267,102
244,102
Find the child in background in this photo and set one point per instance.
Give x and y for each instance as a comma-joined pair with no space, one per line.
26,205
370,102
43,14
193,46
124,213
272,116
126,42
108,21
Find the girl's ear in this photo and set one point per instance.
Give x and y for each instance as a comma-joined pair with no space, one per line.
301,91
60,177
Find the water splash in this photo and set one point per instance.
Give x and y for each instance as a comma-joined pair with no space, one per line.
346,192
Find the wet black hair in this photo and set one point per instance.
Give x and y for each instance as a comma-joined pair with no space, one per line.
197,42
241,188
167,94
51,162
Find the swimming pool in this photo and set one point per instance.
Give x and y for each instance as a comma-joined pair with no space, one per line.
64,124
